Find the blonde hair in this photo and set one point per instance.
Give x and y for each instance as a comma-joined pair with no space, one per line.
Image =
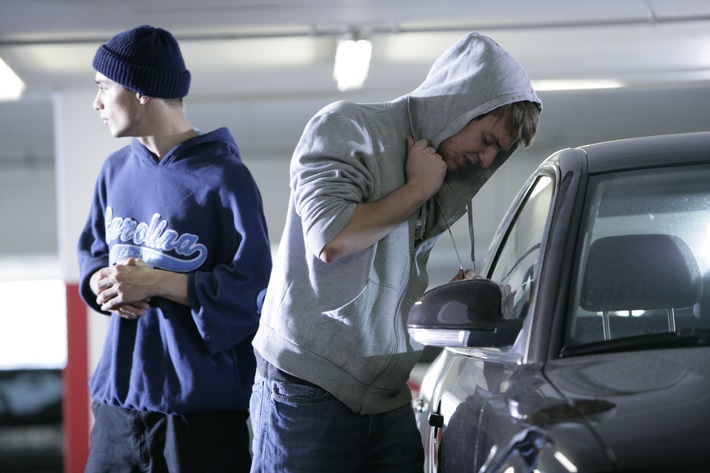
521,120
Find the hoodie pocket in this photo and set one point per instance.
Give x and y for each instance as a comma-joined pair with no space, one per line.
360,336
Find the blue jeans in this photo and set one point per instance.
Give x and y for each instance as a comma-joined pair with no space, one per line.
299,428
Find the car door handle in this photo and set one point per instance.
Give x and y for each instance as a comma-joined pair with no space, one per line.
436,420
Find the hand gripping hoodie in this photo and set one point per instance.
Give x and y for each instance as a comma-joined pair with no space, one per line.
342,325
196,211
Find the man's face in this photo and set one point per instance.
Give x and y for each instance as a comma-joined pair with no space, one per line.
118,107
478,142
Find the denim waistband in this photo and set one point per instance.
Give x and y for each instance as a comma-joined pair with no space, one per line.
268,371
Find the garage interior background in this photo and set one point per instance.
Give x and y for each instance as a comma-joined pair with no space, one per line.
604,70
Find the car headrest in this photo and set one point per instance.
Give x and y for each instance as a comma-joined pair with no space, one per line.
644,272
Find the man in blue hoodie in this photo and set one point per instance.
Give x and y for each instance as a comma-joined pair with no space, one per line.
175,250
372,187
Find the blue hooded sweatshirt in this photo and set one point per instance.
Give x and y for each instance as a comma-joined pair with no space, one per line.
197,211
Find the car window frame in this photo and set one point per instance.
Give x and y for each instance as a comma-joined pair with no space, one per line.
502,235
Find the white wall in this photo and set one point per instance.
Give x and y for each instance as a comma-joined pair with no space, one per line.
27,189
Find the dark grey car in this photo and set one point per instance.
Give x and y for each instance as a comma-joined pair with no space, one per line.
599,358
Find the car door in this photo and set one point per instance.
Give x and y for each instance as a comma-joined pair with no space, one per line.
468,388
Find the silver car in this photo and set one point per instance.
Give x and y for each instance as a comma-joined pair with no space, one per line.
585,345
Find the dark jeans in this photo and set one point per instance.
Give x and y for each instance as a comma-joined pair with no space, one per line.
302,429
127,441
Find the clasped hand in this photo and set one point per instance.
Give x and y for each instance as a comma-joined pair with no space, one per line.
122,288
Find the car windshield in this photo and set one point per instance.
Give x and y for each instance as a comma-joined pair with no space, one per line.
642,274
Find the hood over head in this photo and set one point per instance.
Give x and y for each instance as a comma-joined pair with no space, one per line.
473,77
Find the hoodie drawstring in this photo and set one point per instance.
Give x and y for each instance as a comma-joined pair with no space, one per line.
469,207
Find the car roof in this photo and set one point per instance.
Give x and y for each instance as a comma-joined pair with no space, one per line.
673,149
634,153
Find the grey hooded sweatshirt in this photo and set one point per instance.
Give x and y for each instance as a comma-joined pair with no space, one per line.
342,325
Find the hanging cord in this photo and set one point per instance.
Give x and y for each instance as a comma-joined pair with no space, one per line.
471,235
446,220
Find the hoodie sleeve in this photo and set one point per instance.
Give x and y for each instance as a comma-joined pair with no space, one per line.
331,172
92,249
225,302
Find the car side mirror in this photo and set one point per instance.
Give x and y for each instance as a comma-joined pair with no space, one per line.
465,313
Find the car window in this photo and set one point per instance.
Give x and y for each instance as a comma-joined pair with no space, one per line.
643,265
515,267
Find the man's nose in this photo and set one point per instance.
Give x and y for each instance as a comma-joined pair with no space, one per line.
487,157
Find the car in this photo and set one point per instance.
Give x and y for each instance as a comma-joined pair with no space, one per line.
31,434
583,344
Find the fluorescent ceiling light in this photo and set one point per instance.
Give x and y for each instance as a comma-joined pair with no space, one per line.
11,86
576,84
352,63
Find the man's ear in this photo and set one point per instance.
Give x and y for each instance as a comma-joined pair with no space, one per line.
143,99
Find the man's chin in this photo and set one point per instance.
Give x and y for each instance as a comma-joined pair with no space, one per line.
453,167
463,166
458,166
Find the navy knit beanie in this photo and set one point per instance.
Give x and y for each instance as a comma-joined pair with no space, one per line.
146,60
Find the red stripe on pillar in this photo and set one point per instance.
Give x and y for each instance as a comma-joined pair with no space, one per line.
76,378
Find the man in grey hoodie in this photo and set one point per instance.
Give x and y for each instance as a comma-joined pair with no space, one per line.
372,187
